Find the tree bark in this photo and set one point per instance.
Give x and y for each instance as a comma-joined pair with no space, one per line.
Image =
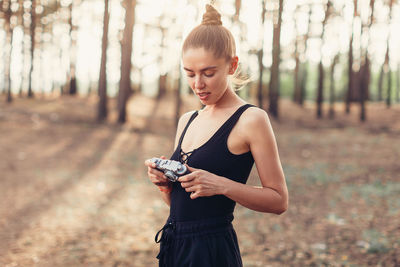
9,38
102,106
178,99
304,66
274,81
72,90
32,32
260,55
387,59
320,88
351,75
9,95
364,78
398,84
380,82
126,54
332,88
296,85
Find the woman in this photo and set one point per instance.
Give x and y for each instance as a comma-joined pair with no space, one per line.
219,144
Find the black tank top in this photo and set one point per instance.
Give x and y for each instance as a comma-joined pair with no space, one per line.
215,157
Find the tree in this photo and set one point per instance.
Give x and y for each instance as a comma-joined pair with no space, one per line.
296,85
8,13
365,62
274,80
320,88
351,76
72,90
398,84
304,65
300,71
260,55
102,107
389,73
332,87
126,54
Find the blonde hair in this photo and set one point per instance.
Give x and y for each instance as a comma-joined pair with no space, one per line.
214,37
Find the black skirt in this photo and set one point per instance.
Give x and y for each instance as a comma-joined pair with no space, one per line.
211,242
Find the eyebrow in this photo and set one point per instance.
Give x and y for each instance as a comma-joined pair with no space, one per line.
207,68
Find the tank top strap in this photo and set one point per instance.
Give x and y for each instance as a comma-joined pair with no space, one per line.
194,115
231,122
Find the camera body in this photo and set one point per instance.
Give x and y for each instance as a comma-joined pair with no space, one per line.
171,168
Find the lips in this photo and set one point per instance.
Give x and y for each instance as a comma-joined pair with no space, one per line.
203,96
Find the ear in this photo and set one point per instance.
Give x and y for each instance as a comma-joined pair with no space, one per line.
233,65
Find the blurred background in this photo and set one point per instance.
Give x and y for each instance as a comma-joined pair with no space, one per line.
90,89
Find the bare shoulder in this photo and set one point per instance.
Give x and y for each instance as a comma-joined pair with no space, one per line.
253,117
254,124
185,118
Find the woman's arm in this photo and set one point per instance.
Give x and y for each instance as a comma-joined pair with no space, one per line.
272,197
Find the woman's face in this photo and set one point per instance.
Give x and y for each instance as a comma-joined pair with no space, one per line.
207,75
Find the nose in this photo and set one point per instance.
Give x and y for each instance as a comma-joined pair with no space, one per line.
198,82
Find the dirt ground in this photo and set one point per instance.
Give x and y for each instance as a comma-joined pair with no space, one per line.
75,193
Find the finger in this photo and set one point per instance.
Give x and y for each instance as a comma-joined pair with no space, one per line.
187,184
156,172
190,189
191,169
194,195
163,157
161,183
149,163
187,178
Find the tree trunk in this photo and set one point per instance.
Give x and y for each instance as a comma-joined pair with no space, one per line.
387,59
126,54
260,80
9,95
9,38
260,55
102,107
364,81
398,84
304,67
350,76
162,79
32,32
72,83
389,89
178,99
320,89
274,81
162,85
364,78
380,82
296,85
332,88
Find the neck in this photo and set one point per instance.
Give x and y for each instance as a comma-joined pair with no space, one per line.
228,100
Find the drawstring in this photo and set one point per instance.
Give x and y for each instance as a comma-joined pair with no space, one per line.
166,239
185,156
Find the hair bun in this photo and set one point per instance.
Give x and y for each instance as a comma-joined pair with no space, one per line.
211,17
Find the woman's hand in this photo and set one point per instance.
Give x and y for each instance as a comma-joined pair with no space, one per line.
156,177
202,183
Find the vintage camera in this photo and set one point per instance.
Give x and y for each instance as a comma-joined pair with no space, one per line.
171,168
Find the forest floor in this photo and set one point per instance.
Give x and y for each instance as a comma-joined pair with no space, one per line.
75,193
